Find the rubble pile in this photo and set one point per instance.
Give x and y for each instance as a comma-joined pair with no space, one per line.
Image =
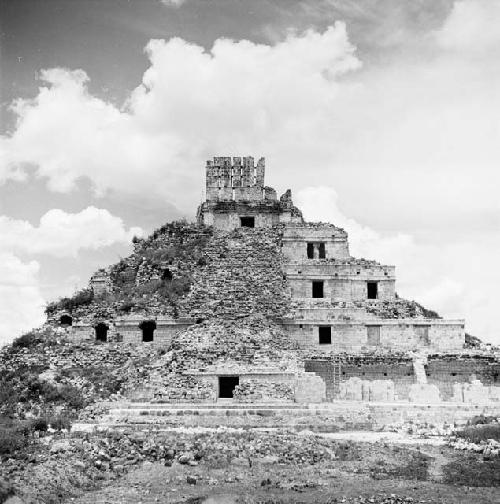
252,343
487,447
257,391
59,464
396,308
243,276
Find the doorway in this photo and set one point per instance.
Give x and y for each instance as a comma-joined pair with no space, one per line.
101,332
247,222
227,384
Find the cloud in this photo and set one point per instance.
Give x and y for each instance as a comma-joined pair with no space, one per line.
411,143
59,234
451,278
472,26
173,3
22,303
192,104
63,234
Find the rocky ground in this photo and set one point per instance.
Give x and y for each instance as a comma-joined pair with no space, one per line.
237,465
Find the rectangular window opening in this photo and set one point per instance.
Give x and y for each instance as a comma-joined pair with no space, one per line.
322,251
310,250
372,290
325,335
317,289
247,222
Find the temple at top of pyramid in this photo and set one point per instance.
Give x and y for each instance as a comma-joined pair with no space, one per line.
237,197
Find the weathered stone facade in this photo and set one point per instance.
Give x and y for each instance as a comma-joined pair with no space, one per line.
253,303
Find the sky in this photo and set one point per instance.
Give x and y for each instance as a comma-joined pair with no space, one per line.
382,116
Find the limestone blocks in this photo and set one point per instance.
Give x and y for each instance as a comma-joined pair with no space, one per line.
356,389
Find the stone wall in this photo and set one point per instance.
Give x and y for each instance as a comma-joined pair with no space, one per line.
446,370
335,372
297,236
365,336
254,390
242,277
235,179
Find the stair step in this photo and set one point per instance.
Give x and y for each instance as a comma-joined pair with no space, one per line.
194,406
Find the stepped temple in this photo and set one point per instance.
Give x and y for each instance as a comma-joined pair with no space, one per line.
253,304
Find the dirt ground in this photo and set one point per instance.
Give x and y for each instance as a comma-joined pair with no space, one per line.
379,472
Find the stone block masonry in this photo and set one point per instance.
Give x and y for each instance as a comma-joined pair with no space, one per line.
212,294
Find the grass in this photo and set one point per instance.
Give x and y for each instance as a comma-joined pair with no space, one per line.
473,471
81,298
480,432
416,468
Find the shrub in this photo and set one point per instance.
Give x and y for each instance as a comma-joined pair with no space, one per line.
9,397
72,397
67,395
482,420
81,298
27,340
472,471
38,424
480,433
6,490
11,441
101,379
60,422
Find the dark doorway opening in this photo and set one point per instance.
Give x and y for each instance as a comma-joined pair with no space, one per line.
317,289
66,320
325,335
372,289
101,332
247,222
310,250
322,251
167,275
148,328
227,384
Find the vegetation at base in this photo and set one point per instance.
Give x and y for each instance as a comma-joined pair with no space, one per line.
473,471
81,298
416,468
162,258
103,381
12,439
428,313
478,433
472,341
482,420
32,339
24,386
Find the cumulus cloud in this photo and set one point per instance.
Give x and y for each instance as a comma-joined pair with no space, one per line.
413,141
173,3
22,303
63,234
450,278
237,97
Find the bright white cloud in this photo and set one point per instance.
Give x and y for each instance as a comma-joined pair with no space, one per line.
173,3
472,26
192,104
411,140
22,304
451,278
63,234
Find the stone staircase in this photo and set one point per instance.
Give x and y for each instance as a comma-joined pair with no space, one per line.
210,415
419,363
